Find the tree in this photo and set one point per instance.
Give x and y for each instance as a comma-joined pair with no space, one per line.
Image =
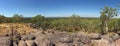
17,18
114,25
38,19
106,15
74,18
2,19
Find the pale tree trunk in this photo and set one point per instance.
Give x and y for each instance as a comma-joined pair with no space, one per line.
106,27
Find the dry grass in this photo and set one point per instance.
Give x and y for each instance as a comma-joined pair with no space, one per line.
20,28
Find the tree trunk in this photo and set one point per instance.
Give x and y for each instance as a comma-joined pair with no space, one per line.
106,27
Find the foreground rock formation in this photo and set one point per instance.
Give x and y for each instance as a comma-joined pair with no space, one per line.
47,38
57,38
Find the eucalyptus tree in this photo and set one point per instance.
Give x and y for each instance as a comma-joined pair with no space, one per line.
106,15
2,18
17,18
38,19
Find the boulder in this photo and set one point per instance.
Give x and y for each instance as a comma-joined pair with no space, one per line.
84,39
24,37
30,43
14,44
51,44
66,40
62,44
101,42
27,37
33,25
39,41
31,37
60,37
22,43
115,37
95,35
107,37
38,33
78,44
5,41
46,42
16,38
117,42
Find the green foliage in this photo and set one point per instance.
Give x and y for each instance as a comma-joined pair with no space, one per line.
2,19
69,24
74,23
17,18
66,24
38,19
106,15
114,25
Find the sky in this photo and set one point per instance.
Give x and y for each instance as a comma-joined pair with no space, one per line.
55,8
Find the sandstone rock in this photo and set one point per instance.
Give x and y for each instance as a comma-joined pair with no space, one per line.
84,39
39,41
117,42
30,43
101,42
66,40
46,42
33,25
14,44
60,37
118,33
31,37
16,38
5,41
94,35
107,37
27,37
38,34
115,37
24,37
51,44
22,43
78,44
62,44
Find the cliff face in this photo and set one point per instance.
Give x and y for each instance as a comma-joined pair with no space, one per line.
54,38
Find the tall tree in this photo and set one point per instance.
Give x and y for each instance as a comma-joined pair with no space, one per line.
17,18
106,15
2,19
38,19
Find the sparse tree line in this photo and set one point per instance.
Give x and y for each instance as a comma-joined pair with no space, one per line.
106,22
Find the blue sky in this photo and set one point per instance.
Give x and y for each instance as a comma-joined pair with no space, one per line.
55,8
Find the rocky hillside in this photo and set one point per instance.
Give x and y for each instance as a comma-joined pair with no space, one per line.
51,37
55,38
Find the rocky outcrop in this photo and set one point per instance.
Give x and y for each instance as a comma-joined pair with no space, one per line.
22,43
95,36
30,43
5,41
47,38
33,25
101,42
